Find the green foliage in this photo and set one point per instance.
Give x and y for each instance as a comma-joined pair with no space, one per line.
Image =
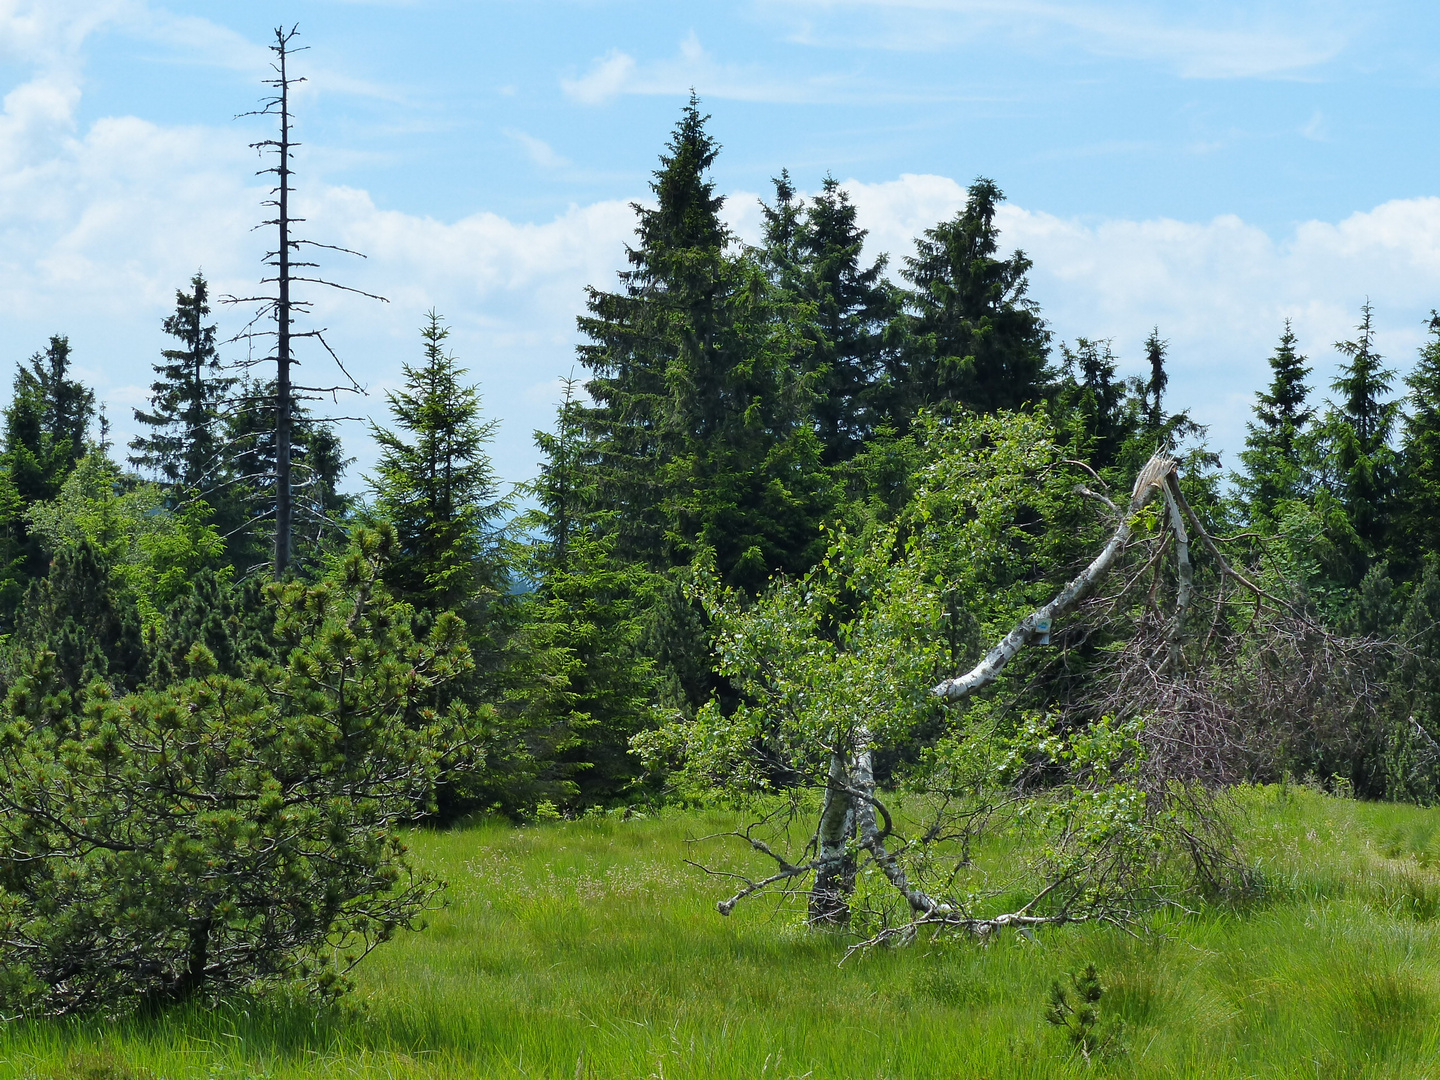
700,429
861,638
183,446
435,484
1077,1011
1159,430
974,335
587,679
47,422
1273,461
1417,532
244,496
80,613
154,551
1357,431
231,619
226,833
1094,404
45,425
846,310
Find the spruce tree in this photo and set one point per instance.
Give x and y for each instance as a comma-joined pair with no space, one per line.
1154,394
783,221
974,335
435,483
183,446
1273,467
47,422
700,427
1359,430
1093,406
244,495
79,612
588,680
1155,429
45,430
850,306
1419,508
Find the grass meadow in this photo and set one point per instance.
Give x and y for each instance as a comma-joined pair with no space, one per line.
589,949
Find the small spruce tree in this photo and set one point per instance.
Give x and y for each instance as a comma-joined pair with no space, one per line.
1419,509
435,483
47,422
582,630
183,446
1359,431
1273,461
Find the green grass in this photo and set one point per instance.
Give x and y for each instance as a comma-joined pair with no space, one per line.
589,949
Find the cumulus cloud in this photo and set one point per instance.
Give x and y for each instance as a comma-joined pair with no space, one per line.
132,211
1219,290
94,241
99,226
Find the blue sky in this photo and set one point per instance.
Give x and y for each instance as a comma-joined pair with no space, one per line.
1208,168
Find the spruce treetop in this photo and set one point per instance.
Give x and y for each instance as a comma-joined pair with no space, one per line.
977,337
435,480
688,212
1362,383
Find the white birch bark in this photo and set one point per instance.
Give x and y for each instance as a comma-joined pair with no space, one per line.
835,862
1151,479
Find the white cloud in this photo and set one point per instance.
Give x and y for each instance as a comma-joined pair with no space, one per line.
1225,41
538,150
1218,290
897,211
693,68
608,77
95,240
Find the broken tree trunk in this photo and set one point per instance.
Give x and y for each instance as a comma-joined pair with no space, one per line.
856,828
835,860
1153,477
850,807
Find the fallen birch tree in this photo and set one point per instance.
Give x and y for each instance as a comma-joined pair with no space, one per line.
985,820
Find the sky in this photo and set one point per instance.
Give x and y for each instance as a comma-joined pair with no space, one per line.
1210,169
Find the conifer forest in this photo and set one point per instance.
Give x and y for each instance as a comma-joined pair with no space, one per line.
847,600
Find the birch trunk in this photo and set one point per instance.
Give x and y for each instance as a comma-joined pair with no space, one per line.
835,875
1151,479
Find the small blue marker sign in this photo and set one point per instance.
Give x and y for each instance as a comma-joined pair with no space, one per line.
1042,628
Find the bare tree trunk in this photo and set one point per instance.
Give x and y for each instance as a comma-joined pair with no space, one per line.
283,403
868,811
290,267
835,872
1185,586
1151,479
